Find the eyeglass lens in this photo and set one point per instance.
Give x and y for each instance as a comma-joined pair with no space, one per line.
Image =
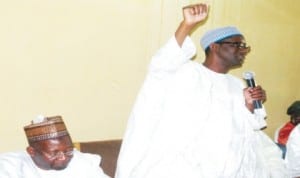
240,45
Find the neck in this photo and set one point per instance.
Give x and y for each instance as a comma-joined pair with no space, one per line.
216,67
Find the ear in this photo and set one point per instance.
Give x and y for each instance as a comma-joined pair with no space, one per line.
214,47
30,150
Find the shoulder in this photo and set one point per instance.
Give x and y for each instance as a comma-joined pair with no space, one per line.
293,139
295,133
13,157
11,162
87,163
191,68
236,80
188,75
286,127
87,157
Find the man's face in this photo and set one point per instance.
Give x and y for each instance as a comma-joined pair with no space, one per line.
295,119
233,51
52,154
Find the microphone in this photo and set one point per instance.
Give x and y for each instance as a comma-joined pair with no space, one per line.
249,77
259,110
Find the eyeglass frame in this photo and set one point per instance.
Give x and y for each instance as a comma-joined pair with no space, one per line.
236,44
56,154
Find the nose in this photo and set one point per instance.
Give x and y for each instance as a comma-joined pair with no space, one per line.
60,155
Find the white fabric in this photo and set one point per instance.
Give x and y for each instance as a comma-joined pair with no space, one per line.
191,122
292,157
276,134
20,165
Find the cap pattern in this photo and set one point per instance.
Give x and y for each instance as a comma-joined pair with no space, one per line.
49,128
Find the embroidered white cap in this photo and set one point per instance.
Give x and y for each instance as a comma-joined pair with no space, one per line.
218,34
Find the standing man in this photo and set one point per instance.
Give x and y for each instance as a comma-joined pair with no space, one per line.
195,120
50,154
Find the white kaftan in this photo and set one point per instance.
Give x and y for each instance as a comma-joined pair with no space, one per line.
292,157
20,165
190,122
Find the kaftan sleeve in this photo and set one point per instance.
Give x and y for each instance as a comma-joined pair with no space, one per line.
257,119
276,134
148,106
171,56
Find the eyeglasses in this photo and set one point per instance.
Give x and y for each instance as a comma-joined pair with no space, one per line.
239,45
57,154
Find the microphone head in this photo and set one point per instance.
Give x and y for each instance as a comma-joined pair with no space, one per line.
248,75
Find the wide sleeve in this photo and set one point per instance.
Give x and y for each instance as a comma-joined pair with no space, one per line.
147,110
171,56
276,134
257,119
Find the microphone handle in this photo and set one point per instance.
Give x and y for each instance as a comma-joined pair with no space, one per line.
257,104
251,83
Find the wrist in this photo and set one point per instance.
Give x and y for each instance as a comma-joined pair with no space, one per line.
182,32
250,106
188,26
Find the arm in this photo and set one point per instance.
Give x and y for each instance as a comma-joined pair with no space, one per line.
192,15
179,49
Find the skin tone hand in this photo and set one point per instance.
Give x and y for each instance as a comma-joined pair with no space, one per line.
192,15
251,94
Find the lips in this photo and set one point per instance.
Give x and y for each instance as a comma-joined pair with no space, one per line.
241,59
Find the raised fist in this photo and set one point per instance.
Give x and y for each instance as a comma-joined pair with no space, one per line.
195,13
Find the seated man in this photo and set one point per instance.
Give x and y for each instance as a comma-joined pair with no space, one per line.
50,154
283,132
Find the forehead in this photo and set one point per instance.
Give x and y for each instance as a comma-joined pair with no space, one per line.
235,38
56,143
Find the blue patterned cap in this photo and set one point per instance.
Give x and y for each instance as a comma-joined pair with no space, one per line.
218,34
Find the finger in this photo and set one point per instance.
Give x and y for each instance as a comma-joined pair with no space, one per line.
204,8
197,9
192,10
200,9
188,9
258,96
